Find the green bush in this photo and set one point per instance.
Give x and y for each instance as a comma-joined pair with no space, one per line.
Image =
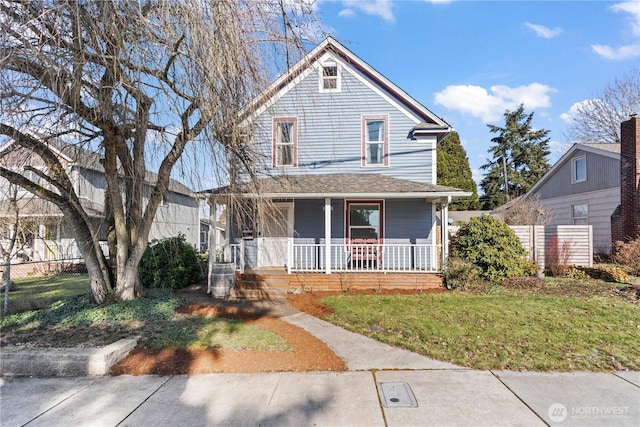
492,246
170,264
628,255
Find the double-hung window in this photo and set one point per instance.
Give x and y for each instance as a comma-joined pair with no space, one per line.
285,142
578,169
364,219
329,77
580,214
375,141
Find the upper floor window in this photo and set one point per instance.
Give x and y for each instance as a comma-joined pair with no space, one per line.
375,141
579,169
285,142
330,77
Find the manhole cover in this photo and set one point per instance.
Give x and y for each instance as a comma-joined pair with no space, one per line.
396,395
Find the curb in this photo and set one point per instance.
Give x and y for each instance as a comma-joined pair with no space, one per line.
63,362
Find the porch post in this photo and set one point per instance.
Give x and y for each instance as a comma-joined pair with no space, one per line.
213,240
444,232
327,235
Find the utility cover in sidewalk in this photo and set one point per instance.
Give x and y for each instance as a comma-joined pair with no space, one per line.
394,395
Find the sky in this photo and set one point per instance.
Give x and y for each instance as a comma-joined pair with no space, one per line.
470,61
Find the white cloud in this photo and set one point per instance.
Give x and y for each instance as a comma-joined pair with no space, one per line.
490,106
628,51
542,31
382,8
632,7
570,115
346,13
439,1
622,52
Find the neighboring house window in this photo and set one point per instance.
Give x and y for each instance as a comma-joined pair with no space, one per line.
375,141
164,201
51,232
365,219
580,214
579,169
285,142
330,78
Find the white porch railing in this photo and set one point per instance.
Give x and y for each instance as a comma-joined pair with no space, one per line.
383,258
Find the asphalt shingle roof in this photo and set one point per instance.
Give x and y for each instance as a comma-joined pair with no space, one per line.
347,183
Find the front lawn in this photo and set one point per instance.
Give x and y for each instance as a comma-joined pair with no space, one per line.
35,293
518,330
77,322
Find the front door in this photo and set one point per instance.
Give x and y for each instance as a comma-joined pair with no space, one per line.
276,237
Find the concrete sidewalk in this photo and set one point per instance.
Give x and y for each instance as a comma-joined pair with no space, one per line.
445,394
444,398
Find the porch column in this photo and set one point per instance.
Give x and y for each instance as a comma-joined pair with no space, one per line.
444,232
327,235
213,240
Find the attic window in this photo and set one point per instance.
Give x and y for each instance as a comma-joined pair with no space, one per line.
578,169
330,77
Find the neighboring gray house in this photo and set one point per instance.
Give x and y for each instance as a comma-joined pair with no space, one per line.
583,187
349,171
50,239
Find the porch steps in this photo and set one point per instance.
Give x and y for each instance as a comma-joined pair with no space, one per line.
266,284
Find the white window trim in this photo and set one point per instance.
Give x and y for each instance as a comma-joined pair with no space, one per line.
356,202
386,143
574,169
321,77
274,142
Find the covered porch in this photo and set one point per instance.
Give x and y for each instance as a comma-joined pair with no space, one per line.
333,224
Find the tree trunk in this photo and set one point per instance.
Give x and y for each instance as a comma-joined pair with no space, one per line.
6,280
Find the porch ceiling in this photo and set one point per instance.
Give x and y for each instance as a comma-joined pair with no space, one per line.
365,185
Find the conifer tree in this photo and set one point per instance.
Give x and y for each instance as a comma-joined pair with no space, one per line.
454,171
519,159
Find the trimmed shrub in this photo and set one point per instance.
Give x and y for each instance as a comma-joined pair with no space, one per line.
170,264
628,255
493,247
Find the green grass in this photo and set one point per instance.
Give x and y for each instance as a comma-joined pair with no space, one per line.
77,322
39,292
519,332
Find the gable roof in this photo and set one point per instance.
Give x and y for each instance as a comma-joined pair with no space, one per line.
428,121
606,150
338,185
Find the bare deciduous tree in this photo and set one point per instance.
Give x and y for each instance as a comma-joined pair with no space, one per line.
526,211
598,119
134,80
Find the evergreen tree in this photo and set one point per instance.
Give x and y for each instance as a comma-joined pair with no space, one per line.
519,159
454,171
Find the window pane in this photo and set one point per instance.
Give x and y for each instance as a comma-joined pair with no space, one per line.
330,71
360,215
580,211
580,166
285,130
375,130
284,155
375,153
364,233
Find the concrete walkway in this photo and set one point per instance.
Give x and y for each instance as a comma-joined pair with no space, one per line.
446,395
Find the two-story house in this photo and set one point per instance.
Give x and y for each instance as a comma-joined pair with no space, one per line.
50,239
346,173
583,188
